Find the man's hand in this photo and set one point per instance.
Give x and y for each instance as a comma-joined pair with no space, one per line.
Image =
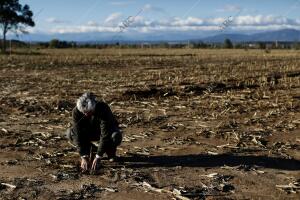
84,164
96,164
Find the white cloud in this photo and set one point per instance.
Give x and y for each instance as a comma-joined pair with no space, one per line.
55,20
92,23
113,18
260,20
141,24
83,29
230,8
150,8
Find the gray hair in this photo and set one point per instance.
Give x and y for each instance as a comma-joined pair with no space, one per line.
86,103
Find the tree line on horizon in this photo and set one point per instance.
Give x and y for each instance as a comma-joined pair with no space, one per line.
227,44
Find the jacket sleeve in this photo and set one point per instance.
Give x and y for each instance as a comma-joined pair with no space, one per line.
107,125
78,128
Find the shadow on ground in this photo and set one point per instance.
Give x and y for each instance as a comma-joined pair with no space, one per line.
210,161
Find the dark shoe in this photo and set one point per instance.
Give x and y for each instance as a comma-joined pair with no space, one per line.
111,152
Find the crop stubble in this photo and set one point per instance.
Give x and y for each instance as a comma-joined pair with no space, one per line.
198,124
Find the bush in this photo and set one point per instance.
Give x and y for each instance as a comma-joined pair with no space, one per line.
228,44
55,43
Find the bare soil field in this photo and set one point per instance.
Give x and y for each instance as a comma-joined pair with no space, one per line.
198,124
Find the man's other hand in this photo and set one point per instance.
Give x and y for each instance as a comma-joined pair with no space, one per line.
96,164
84,164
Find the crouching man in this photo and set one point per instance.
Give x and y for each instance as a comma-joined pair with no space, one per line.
94,121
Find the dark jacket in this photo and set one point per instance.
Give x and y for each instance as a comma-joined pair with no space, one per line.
99,126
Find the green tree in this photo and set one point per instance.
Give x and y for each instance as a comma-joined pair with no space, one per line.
54,43
262,45
296,45
14,17
228,44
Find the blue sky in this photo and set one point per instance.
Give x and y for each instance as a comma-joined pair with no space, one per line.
162,16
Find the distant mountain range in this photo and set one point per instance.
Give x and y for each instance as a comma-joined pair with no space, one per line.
286,35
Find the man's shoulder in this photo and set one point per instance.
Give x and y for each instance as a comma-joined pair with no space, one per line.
76,112
102,108
75,109
101,105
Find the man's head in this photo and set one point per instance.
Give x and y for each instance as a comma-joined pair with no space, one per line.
86,103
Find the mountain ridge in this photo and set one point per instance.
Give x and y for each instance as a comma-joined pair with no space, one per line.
283,35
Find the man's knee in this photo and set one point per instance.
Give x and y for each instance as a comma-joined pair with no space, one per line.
70,135
117,137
